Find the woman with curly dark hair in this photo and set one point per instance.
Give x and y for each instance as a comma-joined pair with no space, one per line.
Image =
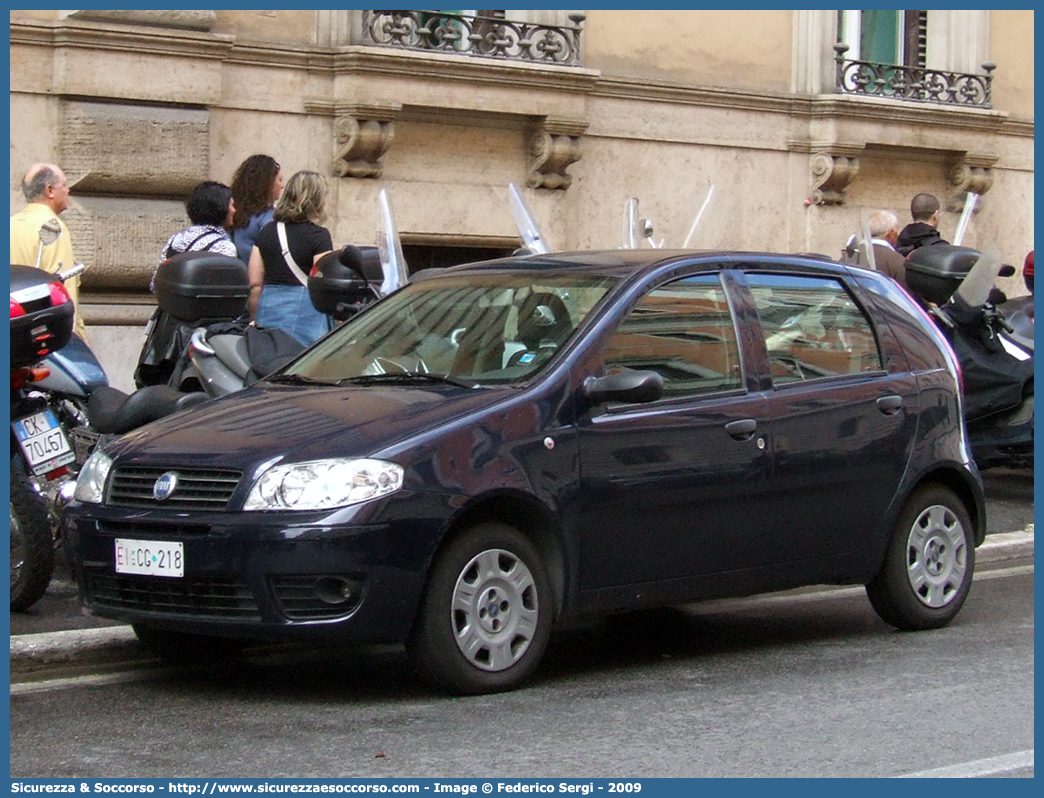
256,187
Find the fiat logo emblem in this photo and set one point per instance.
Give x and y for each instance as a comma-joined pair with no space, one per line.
164,486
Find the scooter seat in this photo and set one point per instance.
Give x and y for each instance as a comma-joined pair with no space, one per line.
231,350
111,411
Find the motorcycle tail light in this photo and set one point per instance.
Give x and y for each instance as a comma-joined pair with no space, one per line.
58,472
16,310
59,294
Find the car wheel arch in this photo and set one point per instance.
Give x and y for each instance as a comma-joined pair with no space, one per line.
956,480
527,515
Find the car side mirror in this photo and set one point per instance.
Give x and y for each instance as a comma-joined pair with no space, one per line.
636,387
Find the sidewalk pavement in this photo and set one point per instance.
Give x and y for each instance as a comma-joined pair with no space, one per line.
118,644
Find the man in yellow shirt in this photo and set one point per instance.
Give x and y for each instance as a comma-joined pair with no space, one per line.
47,191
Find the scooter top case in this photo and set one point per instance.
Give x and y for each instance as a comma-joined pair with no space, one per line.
41,315
340,283
934,272
199,288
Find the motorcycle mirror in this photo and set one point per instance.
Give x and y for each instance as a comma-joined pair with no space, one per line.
974,289
1006,270
528,229
393,263
50,231
997,297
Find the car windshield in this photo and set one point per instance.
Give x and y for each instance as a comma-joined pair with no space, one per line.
468,329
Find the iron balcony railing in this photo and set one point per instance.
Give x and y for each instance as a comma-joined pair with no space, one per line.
487,37
914,84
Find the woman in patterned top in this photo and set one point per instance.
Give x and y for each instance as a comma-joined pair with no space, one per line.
210,209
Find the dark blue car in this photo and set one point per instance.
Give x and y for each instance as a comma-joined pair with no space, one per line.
507,446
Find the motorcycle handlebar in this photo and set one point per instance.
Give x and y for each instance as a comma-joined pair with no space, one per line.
76,270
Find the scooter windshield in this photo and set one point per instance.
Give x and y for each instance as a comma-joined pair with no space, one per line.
471,329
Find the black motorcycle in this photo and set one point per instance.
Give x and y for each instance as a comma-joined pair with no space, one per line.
61,407
995,354
41,322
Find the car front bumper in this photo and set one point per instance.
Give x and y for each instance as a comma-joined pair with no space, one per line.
356,575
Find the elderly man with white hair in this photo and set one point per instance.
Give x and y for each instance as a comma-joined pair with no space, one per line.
884,233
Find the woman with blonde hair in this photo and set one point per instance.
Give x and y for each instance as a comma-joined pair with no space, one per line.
282,256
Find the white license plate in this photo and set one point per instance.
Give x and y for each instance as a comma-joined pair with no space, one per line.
150,557
43,442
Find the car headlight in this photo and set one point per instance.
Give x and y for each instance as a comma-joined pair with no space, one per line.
90,484
323,484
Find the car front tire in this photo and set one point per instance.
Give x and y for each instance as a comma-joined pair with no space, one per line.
485,618
929,564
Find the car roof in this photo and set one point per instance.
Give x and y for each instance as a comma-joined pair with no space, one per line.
626,262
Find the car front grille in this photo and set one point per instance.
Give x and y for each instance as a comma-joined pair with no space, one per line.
197,488
206,597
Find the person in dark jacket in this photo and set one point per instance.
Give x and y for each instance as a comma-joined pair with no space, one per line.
923,230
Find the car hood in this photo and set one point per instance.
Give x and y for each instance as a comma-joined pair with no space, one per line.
303,423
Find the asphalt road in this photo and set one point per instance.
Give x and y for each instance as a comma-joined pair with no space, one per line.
801,685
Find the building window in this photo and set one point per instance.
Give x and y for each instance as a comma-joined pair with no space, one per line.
885,36
888,54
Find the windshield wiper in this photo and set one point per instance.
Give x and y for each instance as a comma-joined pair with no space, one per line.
298,379
407,376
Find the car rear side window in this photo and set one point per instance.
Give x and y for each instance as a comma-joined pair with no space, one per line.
813,328
683,331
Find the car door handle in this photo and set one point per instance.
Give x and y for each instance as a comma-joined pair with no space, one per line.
890,405
741,430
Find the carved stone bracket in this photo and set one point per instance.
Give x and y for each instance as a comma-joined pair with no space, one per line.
831,174
971,175
362,135
552,148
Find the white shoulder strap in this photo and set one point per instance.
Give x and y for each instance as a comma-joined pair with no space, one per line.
281,231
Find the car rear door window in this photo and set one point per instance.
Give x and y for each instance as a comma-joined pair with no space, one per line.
684,331
813,328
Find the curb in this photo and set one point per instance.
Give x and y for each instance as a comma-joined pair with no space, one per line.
73,646
111,644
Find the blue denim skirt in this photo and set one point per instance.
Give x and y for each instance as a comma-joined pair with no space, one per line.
289,308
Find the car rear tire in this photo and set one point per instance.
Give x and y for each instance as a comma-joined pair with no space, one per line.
929,564
32,544
485,618
187,648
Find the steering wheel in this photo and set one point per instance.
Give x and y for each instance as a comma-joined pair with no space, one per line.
385,365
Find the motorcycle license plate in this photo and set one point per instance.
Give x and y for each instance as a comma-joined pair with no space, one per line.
150,557
43,442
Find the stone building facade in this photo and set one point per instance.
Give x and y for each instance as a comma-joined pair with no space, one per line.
758,122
